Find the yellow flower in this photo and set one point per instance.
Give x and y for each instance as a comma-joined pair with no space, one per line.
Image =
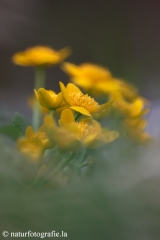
87,132
81,103
87,75
135,129
31,147
49,99
138,135
40,56
132,109
35,144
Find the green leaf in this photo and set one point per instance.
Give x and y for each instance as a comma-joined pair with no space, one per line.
10,131
20,122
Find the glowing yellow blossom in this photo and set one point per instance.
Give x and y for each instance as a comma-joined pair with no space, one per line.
87,75
31,147
135,129
49,99
40,56
130,109
81,103
45,110
87,131
138,135
35,144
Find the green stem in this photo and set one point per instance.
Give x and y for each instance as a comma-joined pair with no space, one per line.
52,112
61,166
39,83
78,115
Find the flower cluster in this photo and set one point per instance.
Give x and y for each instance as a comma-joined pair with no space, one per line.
75,121
76,127
126,101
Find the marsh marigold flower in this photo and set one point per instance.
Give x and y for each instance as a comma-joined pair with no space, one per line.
88,132
129,109
35,143
87,75
135,130
72,135
40,56
49,99
81,103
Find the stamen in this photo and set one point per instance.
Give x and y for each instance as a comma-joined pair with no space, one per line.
42,136
86,129
83,100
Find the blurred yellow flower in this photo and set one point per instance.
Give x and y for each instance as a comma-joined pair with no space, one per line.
135,129
130,109
87,75
31,147
87,131
81,103
137,133
49,99
34,144
40,56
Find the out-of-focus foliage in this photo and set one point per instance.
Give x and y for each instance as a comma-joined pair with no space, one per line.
118,199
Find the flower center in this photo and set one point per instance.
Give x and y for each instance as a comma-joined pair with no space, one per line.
83,100
42,136
85,129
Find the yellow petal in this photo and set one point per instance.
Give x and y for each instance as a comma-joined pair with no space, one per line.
65,94
45,98
136,107
49,120
20,59
81,110
59,99
83,82
67,116
64,53
71,69
108,87
72,88
102,107
110,136
29,132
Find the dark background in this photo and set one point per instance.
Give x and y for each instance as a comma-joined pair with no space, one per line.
123,35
